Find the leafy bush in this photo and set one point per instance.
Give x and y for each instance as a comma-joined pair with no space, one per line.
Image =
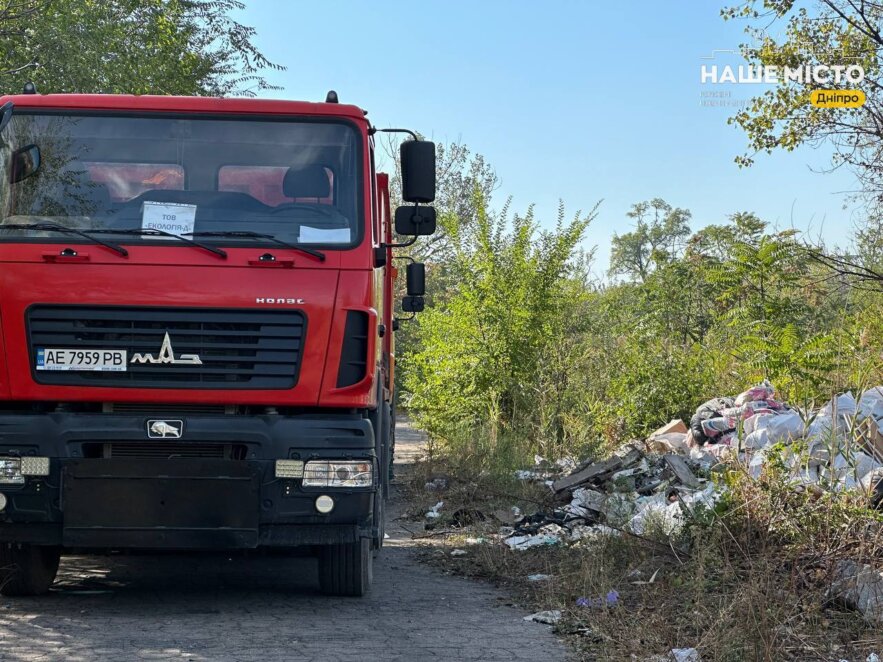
521,352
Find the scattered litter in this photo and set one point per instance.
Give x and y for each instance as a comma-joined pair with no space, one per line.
436,485
873,657
458,552
861,588
546,617
656,485
526,542
609,600
676,426
685,655
538,578
434,512
649,581
476,541
386,536
681,471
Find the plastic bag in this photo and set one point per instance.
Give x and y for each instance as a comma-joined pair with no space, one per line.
763,391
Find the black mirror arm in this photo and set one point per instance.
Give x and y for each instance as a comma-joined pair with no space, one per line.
405,244
374,130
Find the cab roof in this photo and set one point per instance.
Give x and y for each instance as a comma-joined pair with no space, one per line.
133,102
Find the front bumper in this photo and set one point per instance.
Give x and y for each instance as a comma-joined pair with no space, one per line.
89,500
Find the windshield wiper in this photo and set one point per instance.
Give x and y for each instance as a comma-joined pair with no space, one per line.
257,235
162,233
54,227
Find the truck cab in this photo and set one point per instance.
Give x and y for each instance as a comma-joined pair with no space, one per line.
197,328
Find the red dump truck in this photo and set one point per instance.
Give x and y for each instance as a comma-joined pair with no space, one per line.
197,328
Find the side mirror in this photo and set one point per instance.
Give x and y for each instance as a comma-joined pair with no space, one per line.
412,221
25,162
418,170
413,304
415,279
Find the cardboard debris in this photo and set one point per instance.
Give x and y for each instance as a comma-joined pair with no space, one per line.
670,442
677,425
871,438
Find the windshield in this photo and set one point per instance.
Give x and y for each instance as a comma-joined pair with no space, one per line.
298,181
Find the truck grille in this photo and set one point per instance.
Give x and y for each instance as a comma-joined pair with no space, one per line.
173,450
238,348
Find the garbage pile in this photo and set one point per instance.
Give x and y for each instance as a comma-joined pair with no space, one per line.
657,483
628,490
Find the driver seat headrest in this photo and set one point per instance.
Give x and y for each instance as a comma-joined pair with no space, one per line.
310,181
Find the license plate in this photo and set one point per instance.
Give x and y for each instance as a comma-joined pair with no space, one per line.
104,360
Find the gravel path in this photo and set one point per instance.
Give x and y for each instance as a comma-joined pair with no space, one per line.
197,607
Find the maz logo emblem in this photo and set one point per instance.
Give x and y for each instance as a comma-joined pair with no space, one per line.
167,355
162,429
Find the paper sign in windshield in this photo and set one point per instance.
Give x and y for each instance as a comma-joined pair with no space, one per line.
168,217
310,235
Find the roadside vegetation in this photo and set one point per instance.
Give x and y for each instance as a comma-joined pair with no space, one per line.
749,580
527,350
523,353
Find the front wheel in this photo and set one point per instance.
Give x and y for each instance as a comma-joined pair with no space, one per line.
27,569
346,569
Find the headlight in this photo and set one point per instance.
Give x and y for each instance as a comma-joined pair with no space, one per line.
342,473
10,471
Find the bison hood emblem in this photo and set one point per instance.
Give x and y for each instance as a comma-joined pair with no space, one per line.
163,429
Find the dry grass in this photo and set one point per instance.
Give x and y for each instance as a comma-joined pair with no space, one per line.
746,582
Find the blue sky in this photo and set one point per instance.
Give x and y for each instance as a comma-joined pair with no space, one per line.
578,101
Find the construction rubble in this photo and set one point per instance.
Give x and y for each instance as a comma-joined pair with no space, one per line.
655,485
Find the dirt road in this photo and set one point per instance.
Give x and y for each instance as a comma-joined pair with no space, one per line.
177,607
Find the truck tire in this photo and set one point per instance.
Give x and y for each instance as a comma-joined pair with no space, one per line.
27,569
346,569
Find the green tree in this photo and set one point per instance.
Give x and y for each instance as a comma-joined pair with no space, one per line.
826,32
768,317
660,231
483,350
184,47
